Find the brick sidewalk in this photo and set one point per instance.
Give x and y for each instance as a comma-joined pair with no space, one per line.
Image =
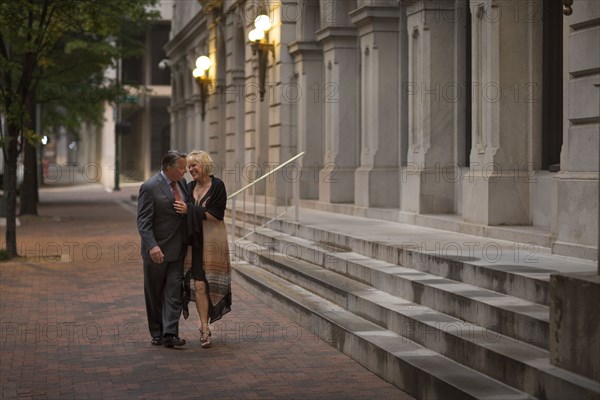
73,323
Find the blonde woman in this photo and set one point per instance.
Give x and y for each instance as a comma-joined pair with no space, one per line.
210,270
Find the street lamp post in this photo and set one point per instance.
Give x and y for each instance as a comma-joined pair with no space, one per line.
117,135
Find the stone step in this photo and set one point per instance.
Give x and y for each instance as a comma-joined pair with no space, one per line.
517,272
497,312
471,345
421,372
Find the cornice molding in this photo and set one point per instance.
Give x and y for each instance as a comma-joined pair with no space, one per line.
305,47
195,28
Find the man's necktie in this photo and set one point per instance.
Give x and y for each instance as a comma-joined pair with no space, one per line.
175,191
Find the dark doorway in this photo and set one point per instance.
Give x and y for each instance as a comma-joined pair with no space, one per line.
468,85
552,85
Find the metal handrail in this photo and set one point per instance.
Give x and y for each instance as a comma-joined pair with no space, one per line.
233,196
265,175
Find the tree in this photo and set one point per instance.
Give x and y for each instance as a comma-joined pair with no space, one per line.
73,90
60,43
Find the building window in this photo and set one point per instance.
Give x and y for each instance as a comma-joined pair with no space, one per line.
159,36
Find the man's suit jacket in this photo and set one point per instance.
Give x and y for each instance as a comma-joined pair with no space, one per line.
157,221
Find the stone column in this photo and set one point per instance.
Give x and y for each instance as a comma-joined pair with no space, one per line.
175,110
198,140
180,135
190,125
234,97
191,90
506,111
257,114
340,94
174,125
217,99
308,57
216,121
377,178
252,156
432,94
211,119
232,170
281,97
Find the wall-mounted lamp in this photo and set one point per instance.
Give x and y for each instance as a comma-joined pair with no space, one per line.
259,40
567,10
164,63
203,63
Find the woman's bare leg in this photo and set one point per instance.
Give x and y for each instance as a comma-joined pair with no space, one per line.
202,307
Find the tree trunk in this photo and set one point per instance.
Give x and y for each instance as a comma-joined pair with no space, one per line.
11,192
29,188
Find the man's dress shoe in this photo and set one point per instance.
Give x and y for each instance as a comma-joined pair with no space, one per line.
157,341
172,340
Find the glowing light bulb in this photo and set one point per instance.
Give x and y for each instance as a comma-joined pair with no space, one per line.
263,22
203,63
256,34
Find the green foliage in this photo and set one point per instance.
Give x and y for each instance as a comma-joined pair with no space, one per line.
56,51
31,136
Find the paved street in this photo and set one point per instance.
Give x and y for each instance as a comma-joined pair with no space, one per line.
73,322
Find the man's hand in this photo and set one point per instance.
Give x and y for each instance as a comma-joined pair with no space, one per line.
180,207
156,255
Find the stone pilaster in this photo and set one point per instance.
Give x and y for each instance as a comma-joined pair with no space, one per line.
256,124
432,92
234,160
176,109
174,125
377,178
308,58
340,94
282,98
506,111
181,137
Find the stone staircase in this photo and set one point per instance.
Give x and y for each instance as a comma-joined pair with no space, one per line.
435,325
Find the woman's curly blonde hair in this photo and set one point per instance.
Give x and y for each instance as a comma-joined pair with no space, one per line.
202,157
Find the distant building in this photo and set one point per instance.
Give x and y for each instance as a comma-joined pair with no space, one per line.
148,119
142,117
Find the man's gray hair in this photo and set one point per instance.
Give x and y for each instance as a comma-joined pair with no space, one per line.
170,159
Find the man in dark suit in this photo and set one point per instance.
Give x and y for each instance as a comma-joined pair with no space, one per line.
163,251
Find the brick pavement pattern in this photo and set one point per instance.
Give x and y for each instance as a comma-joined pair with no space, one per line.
73,323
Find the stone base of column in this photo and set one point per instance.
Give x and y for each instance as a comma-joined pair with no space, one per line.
377,187
576,222
427,192
496,200
575,322
309,183
336,185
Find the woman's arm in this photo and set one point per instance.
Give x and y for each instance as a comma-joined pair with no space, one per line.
216,204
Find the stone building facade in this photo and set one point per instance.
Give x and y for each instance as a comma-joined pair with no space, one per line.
474,116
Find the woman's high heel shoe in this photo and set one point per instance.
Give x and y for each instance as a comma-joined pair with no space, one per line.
205,341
